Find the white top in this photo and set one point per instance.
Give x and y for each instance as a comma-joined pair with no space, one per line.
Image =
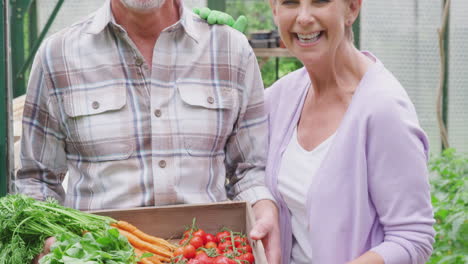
296,173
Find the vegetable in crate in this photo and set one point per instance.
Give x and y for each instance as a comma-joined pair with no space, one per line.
26,223
107,247
199,247
161,250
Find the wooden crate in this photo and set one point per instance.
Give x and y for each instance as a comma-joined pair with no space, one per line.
169,222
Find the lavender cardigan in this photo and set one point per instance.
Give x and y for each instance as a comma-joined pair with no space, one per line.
371,191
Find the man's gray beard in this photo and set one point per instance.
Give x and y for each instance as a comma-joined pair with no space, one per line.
143,5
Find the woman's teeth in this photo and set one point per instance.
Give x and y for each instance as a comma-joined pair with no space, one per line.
308,38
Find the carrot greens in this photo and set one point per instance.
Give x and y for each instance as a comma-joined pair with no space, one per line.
26,223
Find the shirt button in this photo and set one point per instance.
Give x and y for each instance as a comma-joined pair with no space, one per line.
210,100
95,105
162,164
157,113
139,61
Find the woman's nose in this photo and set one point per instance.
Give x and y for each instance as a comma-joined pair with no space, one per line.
304,16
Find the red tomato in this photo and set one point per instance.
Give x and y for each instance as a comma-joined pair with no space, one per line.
225,235
238,241
201,234
210,238
179,259
189,251
179,251
181,242
187,232
196,241
248,257
245,249
199,252
230,253
211,245
195,261
218,251
204,258
223,246
224,260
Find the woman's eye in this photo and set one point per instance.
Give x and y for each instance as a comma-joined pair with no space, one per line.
289,2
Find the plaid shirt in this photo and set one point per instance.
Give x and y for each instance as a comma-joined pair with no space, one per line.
191,130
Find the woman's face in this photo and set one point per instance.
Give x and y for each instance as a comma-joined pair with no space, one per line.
312,29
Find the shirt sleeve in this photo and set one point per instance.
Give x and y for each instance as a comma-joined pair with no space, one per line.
397,150
43,159
246,148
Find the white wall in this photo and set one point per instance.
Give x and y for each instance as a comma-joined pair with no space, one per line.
403,35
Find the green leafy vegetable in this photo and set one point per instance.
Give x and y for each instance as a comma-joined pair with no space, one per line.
449,184
109,247
26,223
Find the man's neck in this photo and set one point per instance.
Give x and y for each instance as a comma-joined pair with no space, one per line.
146,25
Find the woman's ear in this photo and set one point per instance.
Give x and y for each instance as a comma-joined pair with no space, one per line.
354,7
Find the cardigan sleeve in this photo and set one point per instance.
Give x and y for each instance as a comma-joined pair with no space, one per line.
397,150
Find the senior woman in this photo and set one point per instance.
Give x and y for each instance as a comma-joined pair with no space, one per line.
347,157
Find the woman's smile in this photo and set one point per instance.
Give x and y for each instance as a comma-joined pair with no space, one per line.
308,39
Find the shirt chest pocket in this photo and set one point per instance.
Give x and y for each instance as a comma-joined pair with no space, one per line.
207,117
97,124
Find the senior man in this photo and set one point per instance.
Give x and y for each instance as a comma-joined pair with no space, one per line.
143,103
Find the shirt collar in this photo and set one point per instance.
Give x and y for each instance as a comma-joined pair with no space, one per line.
104,16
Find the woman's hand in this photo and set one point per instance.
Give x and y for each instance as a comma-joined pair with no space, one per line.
267,229
48,243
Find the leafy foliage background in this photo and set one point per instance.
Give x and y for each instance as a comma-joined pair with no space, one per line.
260,17
449,188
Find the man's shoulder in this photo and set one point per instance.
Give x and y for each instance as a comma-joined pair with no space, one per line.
222,35
72,31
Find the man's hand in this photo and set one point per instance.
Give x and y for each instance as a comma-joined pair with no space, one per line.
267,229
221,18
48,243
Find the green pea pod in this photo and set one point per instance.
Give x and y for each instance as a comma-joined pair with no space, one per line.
241,23
196,10
205,12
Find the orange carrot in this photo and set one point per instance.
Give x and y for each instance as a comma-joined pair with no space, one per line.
154,240
159,259
156,260
138,243
126,226
143,236
147,260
